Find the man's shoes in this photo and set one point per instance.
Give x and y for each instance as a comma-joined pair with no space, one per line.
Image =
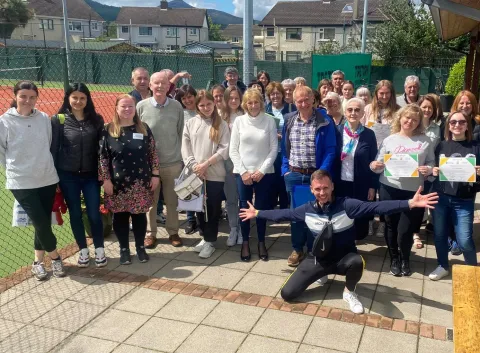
161,218
295,258
395,267
150,242
100,258
438,273
232,237
352,299
39,272
191,227
142,254
57,268
322,280
199,246
207,250
175,240
406,268
83,258
125,258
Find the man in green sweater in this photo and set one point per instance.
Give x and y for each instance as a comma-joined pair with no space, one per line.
164,116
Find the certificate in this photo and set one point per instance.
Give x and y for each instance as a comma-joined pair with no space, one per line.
401,165
458,169
381,131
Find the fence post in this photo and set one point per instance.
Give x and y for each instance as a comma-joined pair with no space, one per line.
38,63
237,58
66,82
214,78
281,66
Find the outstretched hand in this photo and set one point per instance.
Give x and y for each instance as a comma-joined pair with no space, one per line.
248,213
424,201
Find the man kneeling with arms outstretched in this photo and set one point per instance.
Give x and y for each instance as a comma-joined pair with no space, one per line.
330,221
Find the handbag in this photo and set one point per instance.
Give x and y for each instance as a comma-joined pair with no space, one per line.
190,191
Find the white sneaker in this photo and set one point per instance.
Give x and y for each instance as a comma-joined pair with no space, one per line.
352,299
199,246
240,236
370,229
83,258
438,273
232,237
100,258
207,250
322,280
380,230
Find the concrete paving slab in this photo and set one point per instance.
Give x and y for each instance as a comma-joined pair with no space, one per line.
192,256
62,288
85,344
144,301
437,292
394,306
187,309
283,325
220,277
259,344
404,286
33,339
8,327
438,314
260,283
147,268
376,340
212,340
231,259
28,307
427,345
274,266
125,348
102,293
234,317
305,348
180,271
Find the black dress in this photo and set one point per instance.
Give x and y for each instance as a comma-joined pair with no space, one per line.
128,162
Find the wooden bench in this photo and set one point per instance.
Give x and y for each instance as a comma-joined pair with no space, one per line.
466,308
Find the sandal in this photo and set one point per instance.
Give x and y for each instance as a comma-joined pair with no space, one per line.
417,242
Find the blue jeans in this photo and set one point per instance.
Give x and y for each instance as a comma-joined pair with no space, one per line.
72,185
458,212
299,229
263,201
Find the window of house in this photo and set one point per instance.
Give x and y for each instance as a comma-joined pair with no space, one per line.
327,33
46,24
94,26
270,55
75,26
172,32
172,47
293,55
235,39
294,33
270,31
193,31
145,31
124,29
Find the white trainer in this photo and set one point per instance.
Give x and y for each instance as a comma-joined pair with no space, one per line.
100,258
322,280
83,258
199,246
207,250
380,230
232,237
352,299
438,273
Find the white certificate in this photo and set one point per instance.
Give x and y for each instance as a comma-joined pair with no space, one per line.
382,131
458,169
401,165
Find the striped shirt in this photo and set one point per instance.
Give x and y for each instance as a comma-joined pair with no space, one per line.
302,141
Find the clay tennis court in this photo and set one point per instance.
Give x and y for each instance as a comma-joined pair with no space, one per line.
50,100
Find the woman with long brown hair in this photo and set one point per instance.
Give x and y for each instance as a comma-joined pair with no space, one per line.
383,106
129,169
204,149
467,103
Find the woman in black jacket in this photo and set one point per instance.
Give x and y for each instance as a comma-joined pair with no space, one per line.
76,133
357,148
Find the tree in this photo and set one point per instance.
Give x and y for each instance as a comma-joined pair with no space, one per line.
214,32
13,13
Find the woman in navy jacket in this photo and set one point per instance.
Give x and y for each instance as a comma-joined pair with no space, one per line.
356,149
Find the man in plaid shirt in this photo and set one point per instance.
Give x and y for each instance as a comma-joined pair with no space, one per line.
308,144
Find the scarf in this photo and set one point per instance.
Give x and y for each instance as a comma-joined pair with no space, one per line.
348,148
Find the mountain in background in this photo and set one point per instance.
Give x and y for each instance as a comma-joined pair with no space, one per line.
109,13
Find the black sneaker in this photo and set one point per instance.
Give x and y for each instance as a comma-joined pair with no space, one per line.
191,228
125,258
406,268
395,268
142,254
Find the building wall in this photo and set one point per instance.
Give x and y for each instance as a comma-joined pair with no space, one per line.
33,29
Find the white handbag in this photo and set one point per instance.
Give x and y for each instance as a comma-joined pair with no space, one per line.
190,191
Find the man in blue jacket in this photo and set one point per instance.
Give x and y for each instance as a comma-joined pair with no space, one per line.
331,226
308,143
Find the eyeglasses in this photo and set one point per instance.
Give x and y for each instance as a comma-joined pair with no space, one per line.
351,110
459,122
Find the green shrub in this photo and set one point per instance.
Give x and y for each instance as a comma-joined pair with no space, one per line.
456,78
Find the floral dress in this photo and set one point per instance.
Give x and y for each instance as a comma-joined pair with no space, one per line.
128,161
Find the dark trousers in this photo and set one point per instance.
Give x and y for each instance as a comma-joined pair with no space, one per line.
347,189
400,226
72,186
279,190
38,204
351,266
427,188
209,230
121,227
263,201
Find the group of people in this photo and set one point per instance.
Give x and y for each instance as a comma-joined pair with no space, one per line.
255,147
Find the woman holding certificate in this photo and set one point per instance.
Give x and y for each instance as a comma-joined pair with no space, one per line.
405,158
458,171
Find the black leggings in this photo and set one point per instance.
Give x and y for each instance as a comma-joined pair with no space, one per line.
400,226
121,228
351,266
38,204
209,230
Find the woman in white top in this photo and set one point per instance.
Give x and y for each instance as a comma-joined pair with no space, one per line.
233,100
253,149
384,105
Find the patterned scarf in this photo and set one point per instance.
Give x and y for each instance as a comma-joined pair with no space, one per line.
348,148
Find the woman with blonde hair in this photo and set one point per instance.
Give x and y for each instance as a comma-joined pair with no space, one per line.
204,150
253,150
129,170
232,110
384,105
407,137
364,93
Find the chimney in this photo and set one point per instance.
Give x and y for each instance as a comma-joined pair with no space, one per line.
355,10
164,5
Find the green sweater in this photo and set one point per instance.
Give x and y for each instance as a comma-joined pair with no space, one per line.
166,123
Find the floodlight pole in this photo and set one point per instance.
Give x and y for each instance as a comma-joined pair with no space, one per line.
247,41
364,26
67,37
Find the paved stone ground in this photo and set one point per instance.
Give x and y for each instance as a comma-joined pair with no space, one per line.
178,302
